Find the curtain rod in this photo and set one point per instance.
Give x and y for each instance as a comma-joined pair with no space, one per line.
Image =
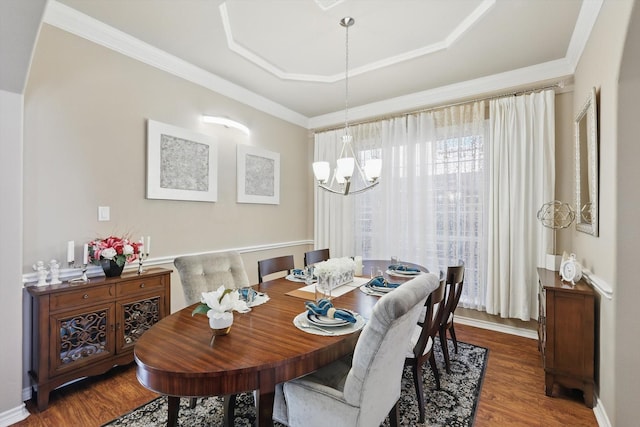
559,85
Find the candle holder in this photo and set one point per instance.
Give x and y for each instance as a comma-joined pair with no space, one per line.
83,278
141,257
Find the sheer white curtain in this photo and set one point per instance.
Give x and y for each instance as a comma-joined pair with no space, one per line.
429,205
521,179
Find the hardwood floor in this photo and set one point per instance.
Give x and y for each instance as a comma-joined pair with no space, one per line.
512,392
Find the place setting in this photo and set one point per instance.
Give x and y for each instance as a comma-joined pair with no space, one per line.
402,270
378,286
322,318
302,275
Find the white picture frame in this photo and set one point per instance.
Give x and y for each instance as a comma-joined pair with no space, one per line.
181,164
258,174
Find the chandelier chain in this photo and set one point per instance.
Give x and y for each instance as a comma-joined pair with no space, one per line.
346,81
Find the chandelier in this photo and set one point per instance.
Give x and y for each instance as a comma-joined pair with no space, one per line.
347,163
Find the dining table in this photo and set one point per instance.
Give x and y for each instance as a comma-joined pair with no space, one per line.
178,358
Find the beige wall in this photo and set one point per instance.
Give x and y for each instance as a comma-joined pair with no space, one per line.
599,67
627,338
565,154
85,146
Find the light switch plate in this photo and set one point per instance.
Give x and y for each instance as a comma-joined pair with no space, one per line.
104,213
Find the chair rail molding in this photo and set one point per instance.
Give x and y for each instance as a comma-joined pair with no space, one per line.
96,270
599,284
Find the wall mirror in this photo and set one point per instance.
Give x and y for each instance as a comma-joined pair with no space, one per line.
586,135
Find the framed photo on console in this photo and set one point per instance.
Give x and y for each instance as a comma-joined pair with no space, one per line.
181,164
258,175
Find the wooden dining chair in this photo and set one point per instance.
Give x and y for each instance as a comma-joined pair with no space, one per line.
318,255
421,343
455,283
274,265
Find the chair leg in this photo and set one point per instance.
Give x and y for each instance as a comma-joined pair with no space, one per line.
192,402
453,338
417,381
434,368
228,408
445,348
394,415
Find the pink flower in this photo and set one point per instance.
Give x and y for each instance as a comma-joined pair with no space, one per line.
118,249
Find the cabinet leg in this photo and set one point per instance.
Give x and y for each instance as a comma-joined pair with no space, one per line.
588,395
42,397
548,385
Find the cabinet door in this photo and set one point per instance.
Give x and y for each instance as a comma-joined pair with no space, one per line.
80,337
135,316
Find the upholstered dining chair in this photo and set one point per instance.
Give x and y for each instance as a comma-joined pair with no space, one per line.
274,265
420,347
204,273
318,255
455,283
360,390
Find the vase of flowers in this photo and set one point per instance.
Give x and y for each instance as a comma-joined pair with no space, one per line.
112,253
219,305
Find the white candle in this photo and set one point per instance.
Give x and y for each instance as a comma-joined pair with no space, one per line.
71,251
358,260
85,254
147,249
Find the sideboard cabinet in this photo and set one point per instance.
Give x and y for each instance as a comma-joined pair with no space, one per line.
566,333
84,329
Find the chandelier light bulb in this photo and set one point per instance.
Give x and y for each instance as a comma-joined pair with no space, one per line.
373,169
321,170
345,167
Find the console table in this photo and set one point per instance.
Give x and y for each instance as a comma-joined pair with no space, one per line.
566,333
84,329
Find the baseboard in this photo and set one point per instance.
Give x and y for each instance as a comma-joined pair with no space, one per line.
483,324
14,415
600,413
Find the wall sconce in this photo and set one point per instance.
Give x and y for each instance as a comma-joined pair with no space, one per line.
226,122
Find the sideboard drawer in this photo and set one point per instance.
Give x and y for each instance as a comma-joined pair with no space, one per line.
84,296
142,285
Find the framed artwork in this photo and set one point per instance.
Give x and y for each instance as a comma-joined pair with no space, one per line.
258,176
181,164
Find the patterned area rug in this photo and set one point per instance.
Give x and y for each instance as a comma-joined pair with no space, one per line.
453,405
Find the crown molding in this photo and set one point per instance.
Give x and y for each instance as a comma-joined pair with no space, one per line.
485,86
81,25
584,24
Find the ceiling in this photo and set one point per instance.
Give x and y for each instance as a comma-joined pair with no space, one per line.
287,57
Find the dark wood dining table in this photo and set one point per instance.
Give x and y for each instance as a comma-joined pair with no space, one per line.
263,348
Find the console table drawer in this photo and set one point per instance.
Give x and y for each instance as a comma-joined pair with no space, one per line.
142,285
81,297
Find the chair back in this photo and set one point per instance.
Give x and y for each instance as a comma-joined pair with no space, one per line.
455,283
317,255
374,380
206,272
274,265
435,309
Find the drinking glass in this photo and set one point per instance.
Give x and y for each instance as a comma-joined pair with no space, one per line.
248,294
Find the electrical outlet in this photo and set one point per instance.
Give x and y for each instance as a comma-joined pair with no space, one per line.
104,213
